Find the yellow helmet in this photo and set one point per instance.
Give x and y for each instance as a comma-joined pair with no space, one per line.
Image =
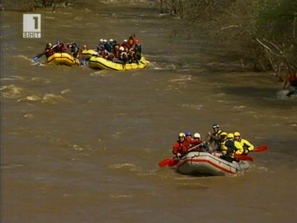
223,133
236,134
230,136
181,134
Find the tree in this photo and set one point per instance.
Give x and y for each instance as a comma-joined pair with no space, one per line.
265,30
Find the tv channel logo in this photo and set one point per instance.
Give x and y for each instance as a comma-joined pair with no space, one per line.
31,26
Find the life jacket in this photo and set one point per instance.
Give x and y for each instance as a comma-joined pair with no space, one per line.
131,55
138,48
239,147
59,48
125,45
217,142
246,145
197,145
188,143
104,53
222,148
231,148
48,52
117,53
74,50
108,47
179,147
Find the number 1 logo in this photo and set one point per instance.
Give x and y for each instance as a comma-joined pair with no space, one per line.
31,25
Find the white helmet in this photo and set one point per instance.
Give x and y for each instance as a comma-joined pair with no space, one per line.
197,135
111,40
121,48
125,40
101,40
105,40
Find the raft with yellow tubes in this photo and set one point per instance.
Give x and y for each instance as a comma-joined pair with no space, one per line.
63,59
103,64
87,54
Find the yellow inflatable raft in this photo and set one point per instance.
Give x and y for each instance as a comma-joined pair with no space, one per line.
103,64
87,54
63,59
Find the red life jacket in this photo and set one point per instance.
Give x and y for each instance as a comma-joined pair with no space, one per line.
179,147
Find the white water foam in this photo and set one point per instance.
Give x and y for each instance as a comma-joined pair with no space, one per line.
282,95
24,57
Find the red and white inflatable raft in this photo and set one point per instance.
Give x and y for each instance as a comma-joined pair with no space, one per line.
204,163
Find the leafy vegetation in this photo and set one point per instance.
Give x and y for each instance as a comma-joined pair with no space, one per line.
265,30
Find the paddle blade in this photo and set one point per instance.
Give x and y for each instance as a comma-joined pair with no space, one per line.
260,149
244,157
35,59
165,162
172,162
168,162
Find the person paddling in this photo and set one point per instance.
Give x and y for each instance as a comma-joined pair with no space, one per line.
221,149
215,136
47,52
59,47
200,145
231,149
246,145
193,143
179,147
74,49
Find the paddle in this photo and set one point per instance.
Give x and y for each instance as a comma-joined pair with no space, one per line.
35,59
260,149
243,157
168,162
165,162
173,162
249,158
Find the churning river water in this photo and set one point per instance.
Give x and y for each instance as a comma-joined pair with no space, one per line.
80,145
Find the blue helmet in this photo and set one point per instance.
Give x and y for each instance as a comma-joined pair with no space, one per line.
188,133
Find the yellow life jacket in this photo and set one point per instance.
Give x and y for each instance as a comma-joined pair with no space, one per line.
247,146
222,148
239,147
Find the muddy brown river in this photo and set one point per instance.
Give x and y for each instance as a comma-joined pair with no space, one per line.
82,145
